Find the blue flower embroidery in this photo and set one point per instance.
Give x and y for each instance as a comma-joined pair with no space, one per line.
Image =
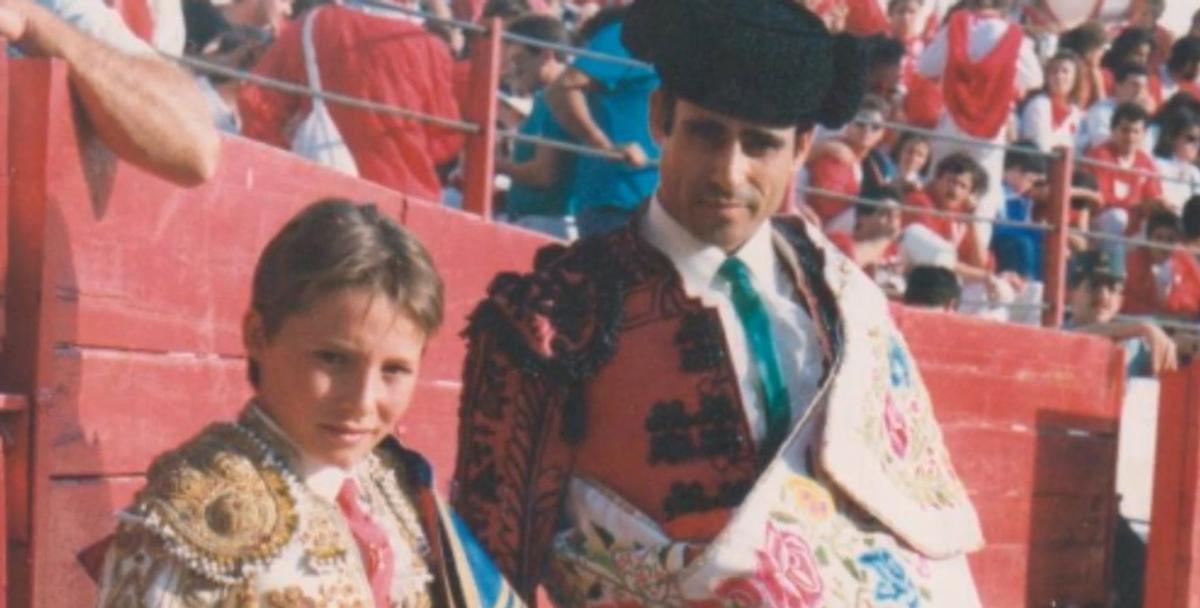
901,370
894,584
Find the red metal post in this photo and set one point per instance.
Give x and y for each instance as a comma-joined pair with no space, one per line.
481,110
1055,270
1173,547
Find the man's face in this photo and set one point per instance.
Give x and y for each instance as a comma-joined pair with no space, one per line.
905,18
882,223
865,132
953,190
1022,181
1165,235
721,177
523,68
1127,136
1097,300
1134,89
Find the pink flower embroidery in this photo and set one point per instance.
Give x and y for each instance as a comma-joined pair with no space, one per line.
787,571
896,427
741,592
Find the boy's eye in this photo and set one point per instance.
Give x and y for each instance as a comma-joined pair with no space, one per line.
331,358
396,369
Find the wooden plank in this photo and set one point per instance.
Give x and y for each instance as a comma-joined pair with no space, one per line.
84,513
1045,463
469,252
1172,549
112,412
140,264
5,183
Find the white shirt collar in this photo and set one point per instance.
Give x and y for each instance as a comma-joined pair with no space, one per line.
697,262
323,479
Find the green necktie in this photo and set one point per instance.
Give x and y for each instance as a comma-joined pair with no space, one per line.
757,325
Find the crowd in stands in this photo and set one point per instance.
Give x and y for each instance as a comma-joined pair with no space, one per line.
967,103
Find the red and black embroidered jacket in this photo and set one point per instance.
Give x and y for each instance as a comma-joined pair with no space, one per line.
599,365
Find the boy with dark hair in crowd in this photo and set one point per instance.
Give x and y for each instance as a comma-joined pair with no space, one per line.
1123,193
932,287
1017,248
1131,85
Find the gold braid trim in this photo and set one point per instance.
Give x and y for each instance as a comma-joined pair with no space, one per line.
223,503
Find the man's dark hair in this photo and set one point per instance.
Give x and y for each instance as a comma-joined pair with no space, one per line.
505,9
932,286
1191,218
1128,69
1162,218
1124,44
883,50
879,193
1084,39
1129,112
1032,161
960,163
1178,123
540,27
1184,53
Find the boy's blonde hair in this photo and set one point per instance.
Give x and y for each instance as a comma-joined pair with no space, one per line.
335,244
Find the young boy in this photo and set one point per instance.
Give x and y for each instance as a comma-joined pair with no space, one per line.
307,499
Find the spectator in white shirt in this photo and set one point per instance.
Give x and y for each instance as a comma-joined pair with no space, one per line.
1050,117
1131,85
1175,154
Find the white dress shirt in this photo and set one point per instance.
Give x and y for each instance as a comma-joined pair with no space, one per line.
697,262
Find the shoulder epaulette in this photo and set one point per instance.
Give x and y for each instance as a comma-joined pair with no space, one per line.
222,503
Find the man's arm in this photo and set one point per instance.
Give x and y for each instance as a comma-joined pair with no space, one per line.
567,98
1164,355
513,463
541,171
147,110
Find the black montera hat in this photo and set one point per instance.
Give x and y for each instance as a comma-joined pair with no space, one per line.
765,61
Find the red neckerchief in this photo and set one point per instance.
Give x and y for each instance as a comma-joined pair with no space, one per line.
979,94
1060,111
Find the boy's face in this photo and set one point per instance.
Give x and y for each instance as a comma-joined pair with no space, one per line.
337,376
952,190
1127,136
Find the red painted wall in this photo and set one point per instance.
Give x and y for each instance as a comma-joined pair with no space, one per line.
125,295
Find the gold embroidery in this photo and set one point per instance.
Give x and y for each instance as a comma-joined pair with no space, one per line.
221,501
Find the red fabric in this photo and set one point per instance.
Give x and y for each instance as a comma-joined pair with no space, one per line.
1137,188
923,100
952,230
138,17
979,95
1060,111
1141,293
830,172
844,241
1191,88
377,556
384,60
866,18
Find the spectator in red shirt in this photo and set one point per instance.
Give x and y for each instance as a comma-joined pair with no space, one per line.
369,56
1160,281
836,165
876,230
1123,193
957,182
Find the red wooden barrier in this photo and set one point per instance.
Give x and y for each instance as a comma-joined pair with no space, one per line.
130,292
1055,264
479,161
1036,447
1172,580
